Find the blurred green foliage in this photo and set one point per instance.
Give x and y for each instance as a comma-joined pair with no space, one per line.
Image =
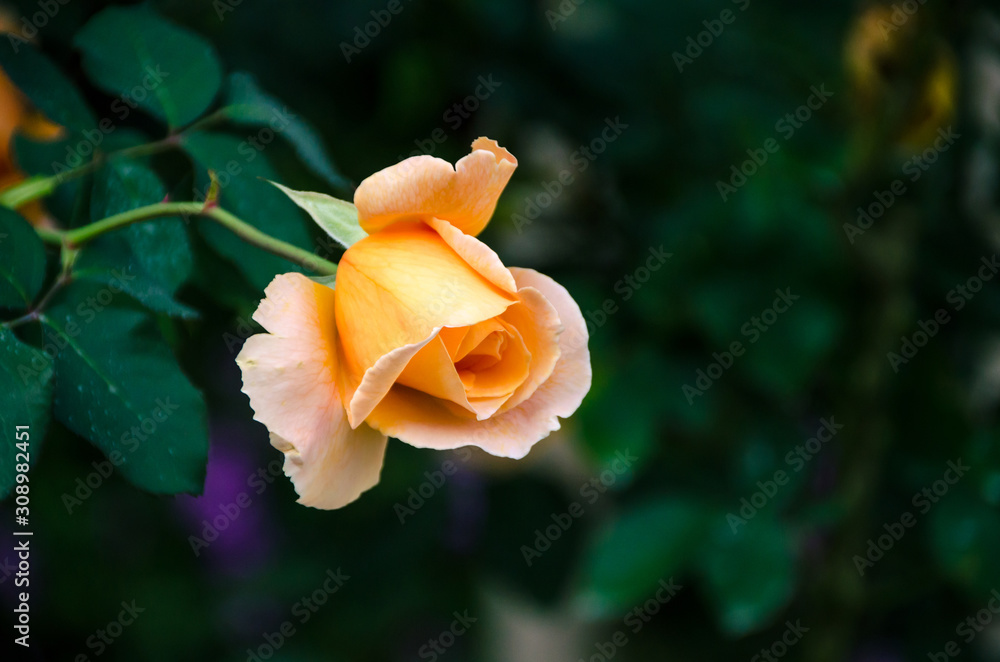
734,493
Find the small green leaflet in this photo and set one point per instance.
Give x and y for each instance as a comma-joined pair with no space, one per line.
168,70
337,218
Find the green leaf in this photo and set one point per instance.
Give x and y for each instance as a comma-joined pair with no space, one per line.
749,575
337,218
26,388
243,193
646,544
329,281
38,157
111,261
147,260
22,261
133,53
45,85
161,246
118,385
248,105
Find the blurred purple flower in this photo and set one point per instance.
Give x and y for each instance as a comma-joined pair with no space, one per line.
229,522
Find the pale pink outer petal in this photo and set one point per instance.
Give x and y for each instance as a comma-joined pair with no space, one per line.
290,378
422,421
422,186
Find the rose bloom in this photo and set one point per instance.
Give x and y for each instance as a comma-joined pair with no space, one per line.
427,337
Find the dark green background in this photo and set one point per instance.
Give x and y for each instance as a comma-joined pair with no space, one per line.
654,187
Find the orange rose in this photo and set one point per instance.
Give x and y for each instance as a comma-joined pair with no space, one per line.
884,58
428,337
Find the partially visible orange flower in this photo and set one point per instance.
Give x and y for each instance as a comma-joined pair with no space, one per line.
17,116
936,104
873,52
428,337
901,74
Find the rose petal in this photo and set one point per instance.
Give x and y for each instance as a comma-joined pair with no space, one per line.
423,186
432,371
477,254
423,367
290,376
424,422
505,376
378,379
395,287
462,341
538,322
